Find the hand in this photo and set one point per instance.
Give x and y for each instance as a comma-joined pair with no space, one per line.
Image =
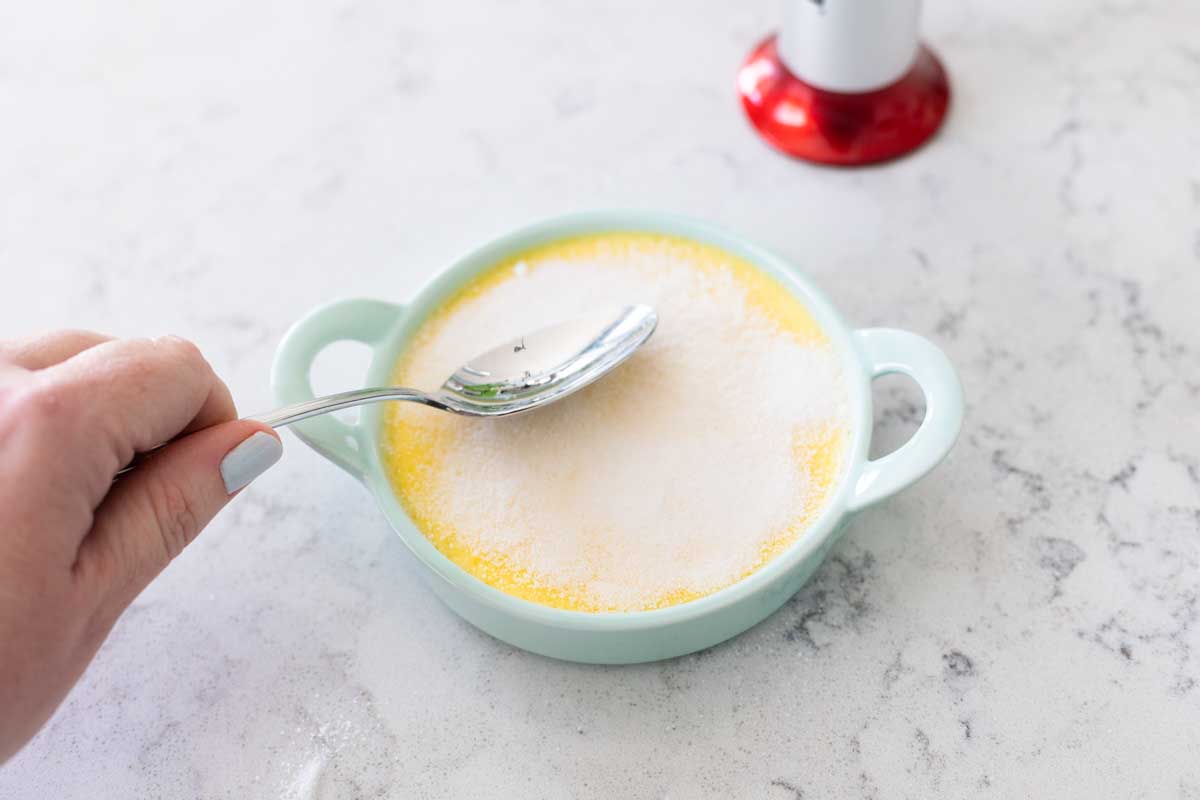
76,547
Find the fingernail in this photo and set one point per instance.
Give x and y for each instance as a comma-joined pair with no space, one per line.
249,459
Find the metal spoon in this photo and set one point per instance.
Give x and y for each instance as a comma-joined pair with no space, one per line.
536,369
531,371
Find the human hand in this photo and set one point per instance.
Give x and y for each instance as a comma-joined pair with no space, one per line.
75,547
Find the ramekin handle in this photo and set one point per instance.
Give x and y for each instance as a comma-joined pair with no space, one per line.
360,320
886,351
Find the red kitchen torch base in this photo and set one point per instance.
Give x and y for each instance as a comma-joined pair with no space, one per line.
842,128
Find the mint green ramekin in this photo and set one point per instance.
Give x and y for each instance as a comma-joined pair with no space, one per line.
622,638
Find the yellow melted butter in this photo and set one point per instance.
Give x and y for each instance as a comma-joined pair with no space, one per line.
412,450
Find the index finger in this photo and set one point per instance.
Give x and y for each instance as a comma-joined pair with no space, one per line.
127,396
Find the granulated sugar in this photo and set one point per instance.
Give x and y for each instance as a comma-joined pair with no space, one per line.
686,469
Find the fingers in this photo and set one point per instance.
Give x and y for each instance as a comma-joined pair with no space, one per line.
40,352
127,396
152,513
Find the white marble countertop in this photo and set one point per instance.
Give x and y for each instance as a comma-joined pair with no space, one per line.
1025,622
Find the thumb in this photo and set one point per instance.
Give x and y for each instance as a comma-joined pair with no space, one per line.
152,513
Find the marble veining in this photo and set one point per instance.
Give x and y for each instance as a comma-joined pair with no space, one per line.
1023,623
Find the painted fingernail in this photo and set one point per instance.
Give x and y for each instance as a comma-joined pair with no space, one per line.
249,459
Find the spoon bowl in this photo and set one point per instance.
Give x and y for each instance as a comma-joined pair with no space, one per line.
548,364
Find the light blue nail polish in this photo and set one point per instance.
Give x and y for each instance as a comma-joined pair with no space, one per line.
249,459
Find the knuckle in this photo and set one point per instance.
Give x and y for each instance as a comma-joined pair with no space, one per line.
176,517
135,359
184,354
47,415
146,361
182,350
189,356
36,403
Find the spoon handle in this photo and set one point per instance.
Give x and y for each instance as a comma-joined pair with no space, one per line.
336,402
311,408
